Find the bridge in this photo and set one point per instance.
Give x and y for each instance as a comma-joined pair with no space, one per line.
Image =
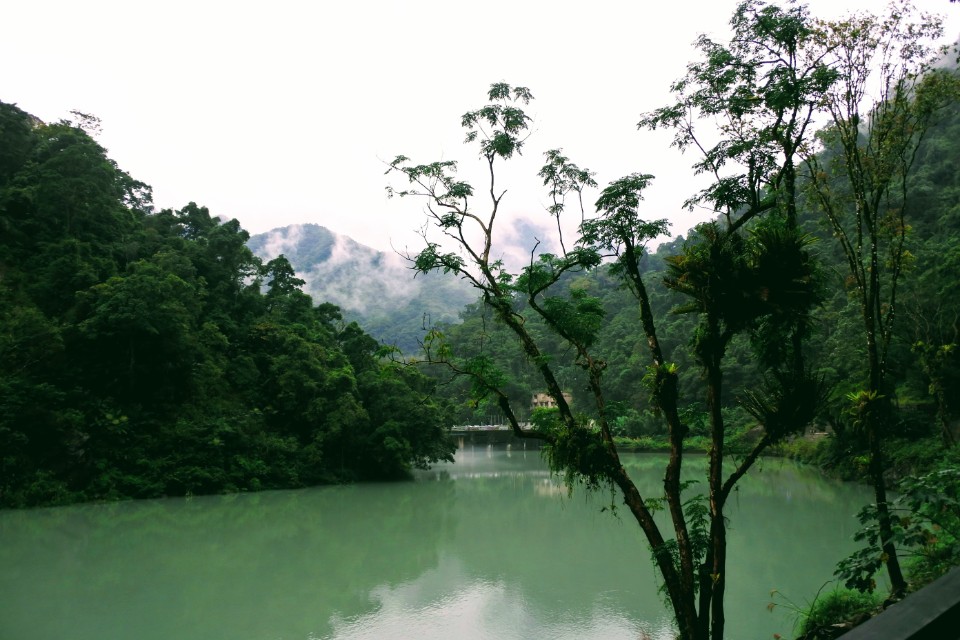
491,434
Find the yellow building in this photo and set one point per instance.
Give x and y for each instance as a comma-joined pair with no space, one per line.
546,401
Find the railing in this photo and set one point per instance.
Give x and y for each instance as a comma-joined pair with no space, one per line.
489,435
933,612
488,427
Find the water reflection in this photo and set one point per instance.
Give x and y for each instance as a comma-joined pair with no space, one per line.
270,565
491,547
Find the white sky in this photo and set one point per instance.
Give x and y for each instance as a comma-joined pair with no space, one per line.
283,112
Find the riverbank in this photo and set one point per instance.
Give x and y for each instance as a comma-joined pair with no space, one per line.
906,457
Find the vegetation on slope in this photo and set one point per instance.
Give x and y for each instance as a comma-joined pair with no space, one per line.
147,353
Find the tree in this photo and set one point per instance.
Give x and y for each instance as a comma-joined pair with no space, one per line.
737,283
136,336
140,356
881,106
759,92
935,315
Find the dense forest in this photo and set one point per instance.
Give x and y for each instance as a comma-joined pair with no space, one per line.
147,353
924,364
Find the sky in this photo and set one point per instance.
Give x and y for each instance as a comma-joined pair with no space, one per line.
286,112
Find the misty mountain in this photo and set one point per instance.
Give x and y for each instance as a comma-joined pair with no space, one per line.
375,288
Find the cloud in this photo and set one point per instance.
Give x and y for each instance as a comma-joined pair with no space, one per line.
359,279
281,241
514,242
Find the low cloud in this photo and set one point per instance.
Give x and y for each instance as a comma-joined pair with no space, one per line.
281,241
526,236
359,279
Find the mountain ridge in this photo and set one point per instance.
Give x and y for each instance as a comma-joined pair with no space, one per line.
379,290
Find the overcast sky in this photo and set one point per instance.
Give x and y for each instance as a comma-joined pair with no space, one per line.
283,112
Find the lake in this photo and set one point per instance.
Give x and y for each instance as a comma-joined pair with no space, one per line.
489,548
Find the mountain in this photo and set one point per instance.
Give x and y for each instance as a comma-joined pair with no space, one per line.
379,290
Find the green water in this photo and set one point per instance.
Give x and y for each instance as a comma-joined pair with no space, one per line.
489,548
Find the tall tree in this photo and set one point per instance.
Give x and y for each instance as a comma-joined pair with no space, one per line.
880,107
730,285
747,107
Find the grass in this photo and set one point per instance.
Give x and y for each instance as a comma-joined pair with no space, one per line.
838,606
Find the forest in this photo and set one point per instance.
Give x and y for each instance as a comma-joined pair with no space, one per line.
819,301
924,364
149,353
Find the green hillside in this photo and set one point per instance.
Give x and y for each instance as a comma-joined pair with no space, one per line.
924,366
379,290
146,353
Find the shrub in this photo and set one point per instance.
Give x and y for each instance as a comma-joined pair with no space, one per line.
834,607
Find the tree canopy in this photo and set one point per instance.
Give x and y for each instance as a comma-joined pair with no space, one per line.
148,353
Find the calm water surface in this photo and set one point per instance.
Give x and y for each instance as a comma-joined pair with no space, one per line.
490,548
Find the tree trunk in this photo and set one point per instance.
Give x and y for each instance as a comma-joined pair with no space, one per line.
898,585
875,418
718,540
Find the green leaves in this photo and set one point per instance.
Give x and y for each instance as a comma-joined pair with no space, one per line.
548,269
503,91
786,403
925,524
618,225
563,177
662,382
431,259
759,91
499,126
741,281
436,181
581,455
696,511
142,356
623,196
579,317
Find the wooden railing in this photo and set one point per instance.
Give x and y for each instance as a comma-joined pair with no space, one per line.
933,612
